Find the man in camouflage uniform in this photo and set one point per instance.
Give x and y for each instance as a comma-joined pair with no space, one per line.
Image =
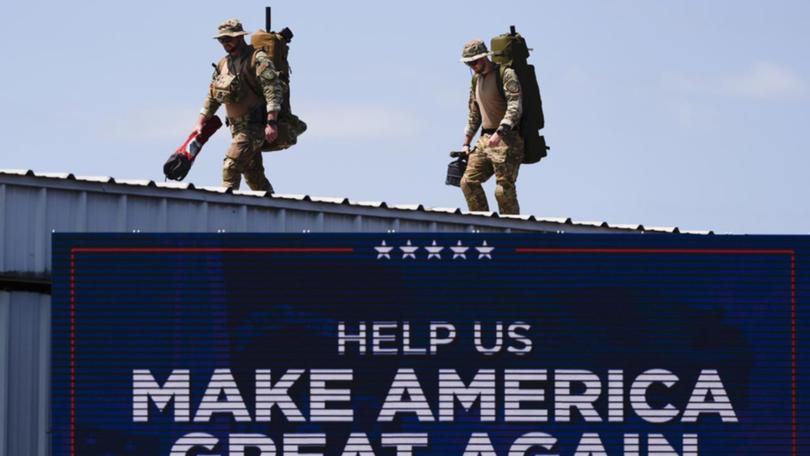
251,91
499,150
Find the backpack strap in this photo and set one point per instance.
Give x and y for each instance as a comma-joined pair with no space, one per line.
499,69
249,72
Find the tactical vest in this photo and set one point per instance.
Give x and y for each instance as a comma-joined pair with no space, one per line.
237,87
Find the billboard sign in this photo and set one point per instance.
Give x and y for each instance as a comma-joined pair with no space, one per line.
401,344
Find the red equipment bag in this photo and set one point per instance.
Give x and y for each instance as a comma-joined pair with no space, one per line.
179,163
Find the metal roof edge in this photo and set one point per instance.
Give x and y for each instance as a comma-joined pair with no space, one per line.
188,190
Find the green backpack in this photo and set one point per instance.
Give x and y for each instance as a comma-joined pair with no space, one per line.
510,51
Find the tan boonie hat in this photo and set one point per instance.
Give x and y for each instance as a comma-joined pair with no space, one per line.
231,27
474,50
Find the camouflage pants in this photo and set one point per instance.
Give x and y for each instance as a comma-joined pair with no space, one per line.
244,156
503,161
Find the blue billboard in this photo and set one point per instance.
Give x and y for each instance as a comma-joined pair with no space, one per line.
464,344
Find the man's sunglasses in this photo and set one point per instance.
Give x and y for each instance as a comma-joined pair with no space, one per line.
226,39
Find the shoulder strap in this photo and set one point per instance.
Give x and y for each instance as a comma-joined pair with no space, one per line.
223,63
248,62
249,71
499,80
253,56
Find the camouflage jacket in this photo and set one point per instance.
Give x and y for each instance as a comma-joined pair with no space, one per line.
263,74
512,93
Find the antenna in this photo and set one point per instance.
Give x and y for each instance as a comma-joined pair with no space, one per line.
267,17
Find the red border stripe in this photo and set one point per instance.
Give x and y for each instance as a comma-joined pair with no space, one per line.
72,353
696,251
212,250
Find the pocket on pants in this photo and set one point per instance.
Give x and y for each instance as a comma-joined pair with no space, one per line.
498,154
514,144
239,146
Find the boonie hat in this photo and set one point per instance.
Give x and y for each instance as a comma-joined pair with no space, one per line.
231,27
474,50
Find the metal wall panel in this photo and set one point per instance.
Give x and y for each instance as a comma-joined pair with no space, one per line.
19,220
34,207
24,373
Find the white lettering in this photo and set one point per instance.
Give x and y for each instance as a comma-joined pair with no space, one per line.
481,388
145,387
405,383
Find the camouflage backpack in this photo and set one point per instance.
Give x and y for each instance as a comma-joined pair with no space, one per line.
510,51
277,47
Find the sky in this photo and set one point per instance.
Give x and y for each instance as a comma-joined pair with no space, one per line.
683,113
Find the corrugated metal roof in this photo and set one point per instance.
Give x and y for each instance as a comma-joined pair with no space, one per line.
188,187
33,205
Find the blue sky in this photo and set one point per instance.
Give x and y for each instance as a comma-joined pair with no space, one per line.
662,113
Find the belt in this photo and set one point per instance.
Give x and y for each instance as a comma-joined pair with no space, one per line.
256,115
490,131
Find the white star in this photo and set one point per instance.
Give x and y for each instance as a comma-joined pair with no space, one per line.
383,250
484,251
433,251
408,250
458,251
